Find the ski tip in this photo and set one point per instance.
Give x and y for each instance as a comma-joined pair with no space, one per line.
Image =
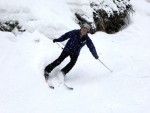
71,88
52,87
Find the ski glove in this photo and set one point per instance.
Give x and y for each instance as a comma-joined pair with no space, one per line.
55,40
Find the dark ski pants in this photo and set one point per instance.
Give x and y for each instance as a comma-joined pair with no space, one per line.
58,61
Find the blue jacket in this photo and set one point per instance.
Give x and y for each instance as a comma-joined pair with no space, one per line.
75,43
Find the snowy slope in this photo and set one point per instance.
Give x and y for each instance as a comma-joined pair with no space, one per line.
96,90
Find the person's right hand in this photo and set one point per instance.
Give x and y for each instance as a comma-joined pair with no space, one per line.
55,40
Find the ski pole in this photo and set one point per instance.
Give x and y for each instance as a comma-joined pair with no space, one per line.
105,65
59,45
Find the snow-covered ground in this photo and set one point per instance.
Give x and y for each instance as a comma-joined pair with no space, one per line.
23,58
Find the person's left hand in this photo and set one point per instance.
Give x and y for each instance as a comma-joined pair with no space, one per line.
96,57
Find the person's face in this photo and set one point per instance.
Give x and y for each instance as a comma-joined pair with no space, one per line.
84,30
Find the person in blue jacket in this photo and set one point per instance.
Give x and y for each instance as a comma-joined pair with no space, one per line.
76,40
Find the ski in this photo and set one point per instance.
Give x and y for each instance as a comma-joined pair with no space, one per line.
46,75
47,78
70,88
50,86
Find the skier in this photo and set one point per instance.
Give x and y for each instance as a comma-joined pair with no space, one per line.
77,39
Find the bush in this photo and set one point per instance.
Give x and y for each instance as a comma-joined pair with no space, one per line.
9,26
111,20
